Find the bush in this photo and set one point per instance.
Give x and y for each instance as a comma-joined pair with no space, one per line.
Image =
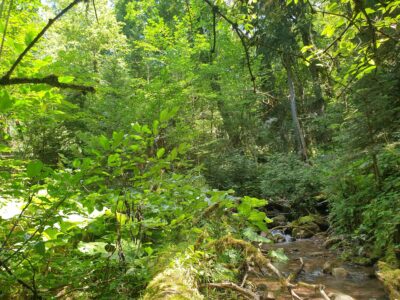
233,171
287,178
365,208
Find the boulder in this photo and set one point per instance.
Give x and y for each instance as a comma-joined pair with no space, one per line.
278,238
305,231
279,220
305,227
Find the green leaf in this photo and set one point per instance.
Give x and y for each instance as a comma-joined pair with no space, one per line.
104,142
252,236
148,250
278,254
34,168
29,36
160,152
66,79
369,11
173,154
329,30
40,248
257,216
114,160
254,202
5,101
117,138
156,123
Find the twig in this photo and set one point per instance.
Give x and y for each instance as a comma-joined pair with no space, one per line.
5,26
245,275
294,275
229,285
95,11
20,281
214,30
16,222
340,35
316,287
294,295
39,229
38,36
241,36
322,292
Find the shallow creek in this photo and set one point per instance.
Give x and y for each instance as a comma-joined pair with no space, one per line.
360,283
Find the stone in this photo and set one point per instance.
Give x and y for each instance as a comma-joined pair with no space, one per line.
279,220
305,231
340,273
327,267
339,296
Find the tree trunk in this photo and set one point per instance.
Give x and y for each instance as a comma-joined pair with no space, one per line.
293,109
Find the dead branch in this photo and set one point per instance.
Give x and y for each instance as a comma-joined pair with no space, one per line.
294,295
294,275
319,287
323,294
229,285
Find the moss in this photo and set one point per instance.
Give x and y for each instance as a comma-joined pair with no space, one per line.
390,278
248,249
174,283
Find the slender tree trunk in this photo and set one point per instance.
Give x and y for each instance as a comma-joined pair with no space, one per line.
293,109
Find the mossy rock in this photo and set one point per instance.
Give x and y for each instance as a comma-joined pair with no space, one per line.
390,278
313,218
279,220
305,227
305,231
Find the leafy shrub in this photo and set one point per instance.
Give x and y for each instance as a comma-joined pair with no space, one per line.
287,178
235,171
365,208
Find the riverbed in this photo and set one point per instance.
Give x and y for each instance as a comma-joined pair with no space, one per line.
359,283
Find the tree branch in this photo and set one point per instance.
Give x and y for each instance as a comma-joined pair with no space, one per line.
230,285
241,36
38,36
20,281
51,80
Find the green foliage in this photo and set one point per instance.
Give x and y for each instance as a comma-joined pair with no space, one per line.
99,190
289,180
366,209
233,171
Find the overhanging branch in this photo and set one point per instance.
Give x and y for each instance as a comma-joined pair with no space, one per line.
240,34
51,80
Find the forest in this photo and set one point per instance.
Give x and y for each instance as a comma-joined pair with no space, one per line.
200,149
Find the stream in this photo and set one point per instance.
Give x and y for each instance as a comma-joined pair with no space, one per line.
359,283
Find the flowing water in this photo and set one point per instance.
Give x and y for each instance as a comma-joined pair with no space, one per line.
360,283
